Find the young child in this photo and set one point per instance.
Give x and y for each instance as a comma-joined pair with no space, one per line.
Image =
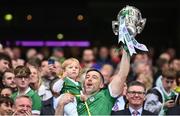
69,84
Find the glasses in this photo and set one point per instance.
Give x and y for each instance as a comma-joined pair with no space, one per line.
136,92
170,81
22,77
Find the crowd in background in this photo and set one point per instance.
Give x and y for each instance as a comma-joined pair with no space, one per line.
27,76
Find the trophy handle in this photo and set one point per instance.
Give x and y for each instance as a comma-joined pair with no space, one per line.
140,25
115,27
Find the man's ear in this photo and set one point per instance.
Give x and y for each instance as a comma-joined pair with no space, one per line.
3,82
127,97
101,85
144,98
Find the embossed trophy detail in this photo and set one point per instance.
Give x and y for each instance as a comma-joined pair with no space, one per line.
129,23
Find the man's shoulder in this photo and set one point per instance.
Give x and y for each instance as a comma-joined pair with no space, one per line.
32,94
14,95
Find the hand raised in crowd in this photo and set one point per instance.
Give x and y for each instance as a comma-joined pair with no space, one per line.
52,69
64,75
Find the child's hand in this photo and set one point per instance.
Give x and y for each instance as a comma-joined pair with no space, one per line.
64,75
83,97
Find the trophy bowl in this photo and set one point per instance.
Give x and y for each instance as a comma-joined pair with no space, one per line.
133,20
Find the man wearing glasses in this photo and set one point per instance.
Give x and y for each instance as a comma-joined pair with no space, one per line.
22,80
135,96
161,98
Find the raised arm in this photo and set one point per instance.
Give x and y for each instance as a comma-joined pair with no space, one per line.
119,78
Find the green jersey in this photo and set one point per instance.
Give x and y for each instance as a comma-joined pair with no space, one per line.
99,104
36,101
71,87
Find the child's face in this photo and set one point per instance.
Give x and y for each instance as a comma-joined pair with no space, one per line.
72,70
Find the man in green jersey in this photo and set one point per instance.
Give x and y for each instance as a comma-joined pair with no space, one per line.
22,80
99,100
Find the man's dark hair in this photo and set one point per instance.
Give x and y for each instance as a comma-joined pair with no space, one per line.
4,56
169,74
136,83
6,100
93,69
9,71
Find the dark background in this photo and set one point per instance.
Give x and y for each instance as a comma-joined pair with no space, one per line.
162,29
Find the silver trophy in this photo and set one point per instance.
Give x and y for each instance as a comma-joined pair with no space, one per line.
129,23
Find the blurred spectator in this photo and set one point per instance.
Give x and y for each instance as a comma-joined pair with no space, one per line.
103,58
48,106
115,56
23,106
165,56
107,71
45,51
34,61
143,57
146,79
17,62
161,64
160,98
32,52
8,51
49,72
40,56
95,50
139,67
75,52
177,89
6,105
22,80
171,52
1,48
5,63
6,92
59,54
175,64
17,53
88,59
8,79
37,85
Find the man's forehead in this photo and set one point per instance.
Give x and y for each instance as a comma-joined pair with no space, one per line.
135,87
22,100
3,60
95,73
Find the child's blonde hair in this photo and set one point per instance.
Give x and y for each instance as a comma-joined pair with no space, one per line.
69,61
